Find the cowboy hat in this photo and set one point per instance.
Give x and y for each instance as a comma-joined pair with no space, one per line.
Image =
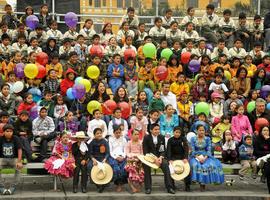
181,170
102,176
149,160
80,135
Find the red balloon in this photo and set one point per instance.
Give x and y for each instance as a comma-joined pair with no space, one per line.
108,107
96,50
42,58
260,122
162,73
41,71
129,53
125,109
185,57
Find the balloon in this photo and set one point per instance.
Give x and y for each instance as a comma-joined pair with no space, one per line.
35,91
42,58
78,91
268,106
261,122
149,50
129,53
162,73
108,107
31,71
209,46
250,73
78,79
264,91
33,113
86,83
166,53
71,19
36,98
93,72
149,94
19,70
227,74
202,107
17,87
185,57
32,22
70,94
41,71
96,50
125,109
190,135
93,105
250,106
194,66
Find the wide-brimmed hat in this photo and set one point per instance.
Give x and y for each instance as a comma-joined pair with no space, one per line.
149,160
102,176
181,170
80,135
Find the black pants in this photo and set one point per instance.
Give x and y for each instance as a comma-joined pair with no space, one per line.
76,176
166,171
25,141
44,144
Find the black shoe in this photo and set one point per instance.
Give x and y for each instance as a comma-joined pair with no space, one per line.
83,190
171,191
75,189
148,191
101,189
263,179
187,188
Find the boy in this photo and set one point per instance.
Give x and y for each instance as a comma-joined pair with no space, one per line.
220,49
243,31
202,50
189,46
167,19
81,48
5,48
79,109
256,53
40,34
54,33
34,47
163,45
140,36
96,60
48,102
227,27
65,50
145,76
73,63
4,29
131,77
52,83
20,46
247,159
4,119
181,85
157,103
257,30
96,122
8,18
157,32
96,44
185,109
238,50
117,120
21,30
10,157
131,18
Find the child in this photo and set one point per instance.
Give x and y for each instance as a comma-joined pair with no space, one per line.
121,95
52,83
256,53
235,65
185,109
27,104
54,32
265,63
16,57
128,45
140,36
96,44
39,34
229,153
20,45
153,118
5,48
243,31
98,151
227,27
117,159
240,125
139,122
4,119
190,33
233,96
190,17
87,32
55,65
33,46
145,75
207,68
142,102
68,82
7,100
180,85
48,102
134,165
111,49
9,18
202,50
163,45
5,30
95,123
44,17
11,157
117,120
157,32
218,86
173,33
189,46
259,79
81,155
106,34
257,31
60,108
115,73
61,163
168,121
65,50
51,47
71,34
251,68
238,50
174,67
156,103
216,107
220,49
167,19
199,87
70,124
177,48
131,77
247,159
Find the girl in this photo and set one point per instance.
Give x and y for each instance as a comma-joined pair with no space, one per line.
131,77
98,151
142,102
153,118
121,95
128,45
259,79
250,67
87,32
70,124
123,33
27,104
168,121
252,96
190,18
32,58
173,33
200,86
97,122
111,49
206,67
235,65
216,108
68,82
61,163
60,109
174,67
106,34
229,153
139,122
117,159
202,161
240,125
157,103
16,57
7,100
44,17
233,97
190,33
28,11
218,86
134,166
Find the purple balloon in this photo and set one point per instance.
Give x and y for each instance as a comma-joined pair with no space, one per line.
32,22
209,46
71,19
194,66
33,112
264,91
19,70
78,91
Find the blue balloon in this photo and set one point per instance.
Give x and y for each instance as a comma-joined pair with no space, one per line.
268,106
78,79
197,123
36,98
70,94
149,94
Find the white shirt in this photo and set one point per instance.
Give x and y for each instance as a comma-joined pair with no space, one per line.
71,35
117,146
215,53
234,53
110,50
190,35
43,37
31,49
62,50
253,54
56,34
93,124
15,34
104,39
213,87
157,32
192,51
167,22
173,34
199,52
188,18
229,24
118,122
122,34
125,47
17,47
170,98
134,22
211,23
6,50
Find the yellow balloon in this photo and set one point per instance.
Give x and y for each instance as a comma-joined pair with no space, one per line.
93,105
86,83
93,72
250,73
31,71
227,74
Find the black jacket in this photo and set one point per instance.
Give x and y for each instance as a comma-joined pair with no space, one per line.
252,117
78,156
149,146
177,148
266,22
20,126
261,146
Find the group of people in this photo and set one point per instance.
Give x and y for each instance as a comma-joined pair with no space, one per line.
179,123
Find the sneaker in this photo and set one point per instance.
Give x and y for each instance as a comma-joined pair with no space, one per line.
2,190
5,192
11,190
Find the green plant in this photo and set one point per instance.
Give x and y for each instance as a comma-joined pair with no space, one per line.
240,7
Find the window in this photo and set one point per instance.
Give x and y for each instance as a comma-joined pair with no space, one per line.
216,3
97,3
90,2
119,3
192,3
104,3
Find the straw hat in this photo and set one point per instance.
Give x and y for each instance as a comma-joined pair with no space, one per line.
149,160
80,135
102,176
181,170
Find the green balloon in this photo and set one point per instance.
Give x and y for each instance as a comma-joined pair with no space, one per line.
250,106
149,50
202,107
166,53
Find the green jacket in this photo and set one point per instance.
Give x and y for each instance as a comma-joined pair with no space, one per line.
156,104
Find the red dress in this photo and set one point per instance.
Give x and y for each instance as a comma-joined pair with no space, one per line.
61,151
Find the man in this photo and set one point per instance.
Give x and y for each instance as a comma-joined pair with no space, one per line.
154,143
10,157
168,97
266,25
131,18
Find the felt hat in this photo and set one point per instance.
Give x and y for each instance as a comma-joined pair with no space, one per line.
181,170
80,135
102,175
149,160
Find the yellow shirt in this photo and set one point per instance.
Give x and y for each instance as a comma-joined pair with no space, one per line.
173,71
58,69
144,74
177,88
185,109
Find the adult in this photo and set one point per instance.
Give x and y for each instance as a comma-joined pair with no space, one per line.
100,93
266,26
167,96
131,18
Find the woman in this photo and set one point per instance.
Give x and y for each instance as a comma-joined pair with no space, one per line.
241,83
205,169
259,79
100,93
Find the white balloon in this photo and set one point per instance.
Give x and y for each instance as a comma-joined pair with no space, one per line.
17,87
190,135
